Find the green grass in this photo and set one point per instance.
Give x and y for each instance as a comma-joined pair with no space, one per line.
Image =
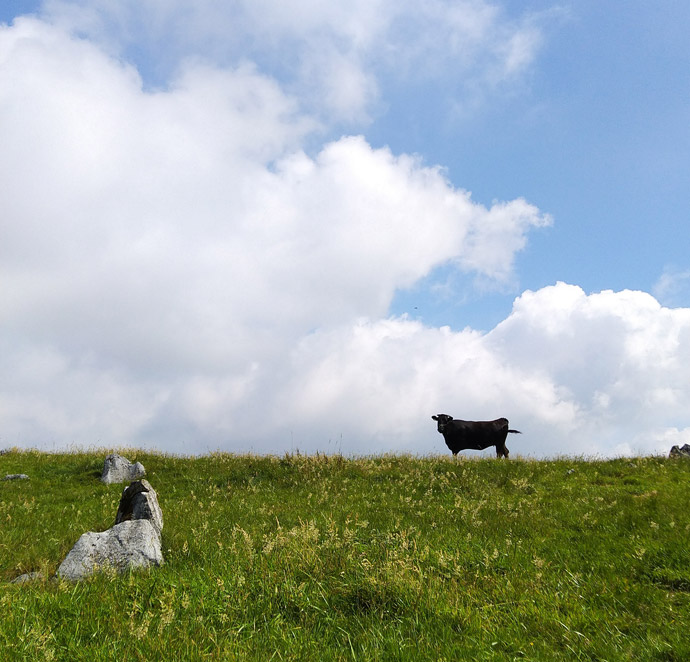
379,558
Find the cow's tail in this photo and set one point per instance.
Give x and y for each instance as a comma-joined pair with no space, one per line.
515,431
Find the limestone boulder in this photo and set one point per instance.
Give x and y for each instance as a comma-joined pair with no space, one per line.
126,546
683,451
139,501
134,541
118,469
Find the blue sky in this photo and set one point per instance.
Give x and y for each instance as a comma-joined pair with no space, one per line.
598,137
252,227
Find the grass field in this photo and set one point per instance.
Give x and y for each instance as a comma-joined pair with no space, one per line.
377,558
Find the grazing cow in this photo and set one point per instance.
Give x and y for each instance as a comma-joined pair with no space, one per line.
474,435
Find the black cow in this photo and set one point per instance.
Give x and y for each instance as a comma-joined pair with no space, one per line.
474,435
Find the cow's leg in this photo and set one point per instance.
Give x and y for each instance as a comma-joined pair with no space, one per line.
501,450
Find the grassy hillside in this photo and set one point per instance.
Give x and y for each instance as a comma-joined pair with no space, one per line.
381,558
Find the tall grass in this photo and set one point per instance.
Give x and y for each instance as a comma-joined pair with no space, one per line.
376,558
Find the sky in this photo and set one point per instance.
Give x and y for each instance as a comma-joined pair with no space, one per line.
270,227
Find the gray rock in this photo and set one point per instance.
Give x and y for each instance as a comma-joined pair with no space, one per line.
126,546
133,542
28,577
139,501
16,477
683,451
117,469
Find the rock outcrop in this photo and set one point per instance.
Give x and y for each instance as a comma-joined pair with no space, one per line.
126,546
139,501
683,451
134,541
117,469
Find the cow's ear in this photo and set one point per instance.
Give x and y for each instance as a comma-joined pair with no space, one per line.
435,418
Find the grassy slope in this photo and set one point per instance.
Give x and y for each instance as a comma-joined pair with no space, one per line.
382,558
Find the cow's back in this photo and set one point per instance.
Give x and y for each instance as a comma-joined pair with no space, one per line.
478,427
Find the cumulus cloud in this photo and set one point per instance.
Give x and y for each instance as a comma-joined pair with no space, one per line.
616,358
167,251
599,374
178,270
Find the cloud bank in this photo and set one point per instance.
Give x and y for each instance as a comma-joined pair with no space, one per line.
180,268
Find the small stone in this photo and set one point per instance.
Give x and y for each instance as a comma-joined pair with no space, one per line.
28,577
16,477
117,469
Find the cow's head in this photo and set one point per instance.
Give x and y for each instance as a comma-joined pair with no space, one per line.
443,420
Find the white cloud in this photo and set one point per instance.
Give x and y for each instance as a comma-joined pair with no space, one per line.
618,357
166,252
672,286
599,374
498,236
178,271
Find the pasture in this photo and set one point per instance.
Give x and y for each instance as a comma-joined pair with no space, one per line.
373,558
